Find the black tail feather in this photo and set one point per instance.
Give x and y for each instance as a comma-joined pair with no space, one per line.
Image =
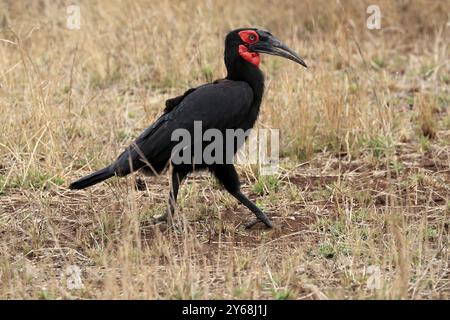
93,178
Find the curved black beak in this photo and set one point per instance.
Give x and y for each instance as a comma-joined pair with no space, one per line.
273,46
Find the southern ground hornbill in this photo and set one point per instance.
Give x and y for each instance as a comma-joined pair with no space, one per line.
230,103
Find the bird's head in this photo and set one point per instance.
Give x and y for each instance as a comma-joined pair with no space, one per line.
250,42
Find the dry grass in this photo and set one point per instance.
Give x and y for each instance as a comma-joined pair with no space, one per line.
364,186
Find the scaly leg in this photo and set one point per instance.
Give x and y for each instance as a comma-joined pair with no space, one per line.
176,178
229,178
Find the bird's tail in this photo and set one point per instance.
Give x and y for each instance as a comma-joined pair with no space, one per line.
93,178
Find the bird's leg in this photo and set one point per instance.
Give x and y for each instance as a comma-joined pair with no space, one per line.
176,179
260,216
173,194
228,176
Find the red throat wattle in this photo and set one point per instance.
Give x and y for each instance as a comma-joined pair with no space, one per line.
252,57
249,37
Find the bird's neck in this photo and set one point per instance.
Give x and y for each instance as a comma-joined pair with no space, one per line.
240,70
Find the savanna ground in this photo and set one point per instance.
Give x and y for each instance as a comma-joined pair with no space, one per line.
361,203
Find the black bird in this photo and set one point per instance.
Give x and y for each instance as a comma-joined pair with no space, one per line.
230,103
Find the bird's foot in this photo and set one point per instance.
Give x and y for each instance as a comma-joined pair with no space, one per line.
160,218
176,227
171,222
140,184
263,219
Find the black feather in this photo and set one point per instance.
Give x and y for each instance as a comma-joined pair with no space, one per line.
93,178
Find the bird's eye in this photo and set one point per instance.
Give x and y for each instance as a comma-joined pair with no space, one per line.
249,36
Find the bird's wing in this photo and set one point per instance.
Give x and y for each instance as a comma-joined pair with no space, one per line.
173,102
220,105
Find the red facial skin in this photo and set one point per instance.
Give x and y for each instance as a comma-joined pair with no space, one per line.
249,37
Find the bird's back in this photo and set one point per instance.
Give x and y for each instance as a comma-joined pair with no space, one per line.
220,105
